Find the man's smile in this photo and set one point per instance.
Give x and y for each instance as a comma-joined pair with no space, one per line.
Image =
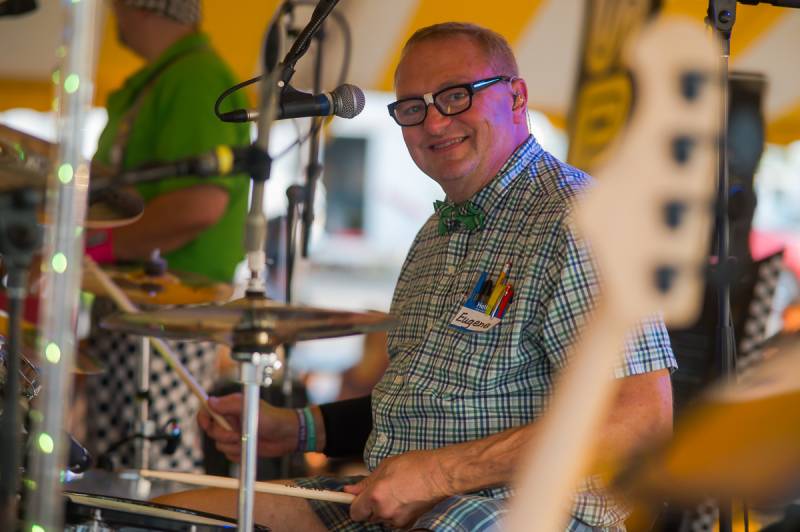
445,144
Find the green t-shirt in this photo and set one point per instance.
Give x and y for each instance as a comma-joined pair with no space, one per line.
176,120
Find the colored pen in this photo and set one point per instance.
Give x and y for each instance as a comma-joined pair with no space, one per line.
496,308
476,290
507,297
499,289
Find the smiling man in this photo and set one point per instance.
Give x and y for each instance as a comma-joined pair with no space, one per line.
444,430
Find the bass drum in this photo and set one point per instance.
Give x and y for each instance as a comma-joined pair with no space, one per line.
99,513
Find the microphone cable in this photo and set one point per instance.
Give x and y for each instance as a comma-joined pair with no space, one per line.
347,45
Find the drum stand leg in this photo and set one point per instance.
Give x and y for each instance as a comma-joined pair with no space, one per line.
143,425
256,371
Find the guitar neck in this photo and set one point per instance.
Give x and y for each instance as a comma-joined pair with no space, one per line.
563,450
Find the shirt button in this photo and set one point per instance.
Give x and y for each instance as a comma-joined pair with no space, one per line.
382,439
451,269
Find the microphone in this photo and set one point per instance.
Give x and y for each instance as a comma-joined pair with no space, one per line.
79,459
222,160
171,433
345,101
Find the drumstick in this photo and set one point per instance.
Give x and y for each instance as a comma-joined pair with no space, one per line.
212,481
123,302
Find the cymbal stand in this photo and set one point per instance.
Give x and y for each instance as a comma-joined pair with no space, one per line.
143,424
255,352
253,347
249,347
20,237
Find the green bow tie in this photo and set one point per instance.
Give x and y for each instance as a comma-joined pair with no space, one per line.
452,216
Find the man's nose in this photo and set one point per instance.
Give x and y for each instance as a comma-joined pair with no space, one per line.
435,121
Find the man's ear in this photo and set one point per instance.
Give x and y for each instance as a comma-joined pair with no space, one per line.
520,91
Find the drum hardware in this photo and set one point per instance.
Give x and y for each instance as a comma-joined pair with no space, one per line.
89,513
170,433
20,237
29,373
26,161
283,323
85,364
124,303
78,458
145,285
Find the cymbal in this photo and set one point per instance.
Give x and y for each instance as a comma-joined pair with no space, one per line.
169,288
740,440
285,323
85,364
26,161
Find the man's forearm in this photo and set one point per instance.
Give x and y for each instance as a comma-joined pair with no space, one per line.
487,462
171,221
641,412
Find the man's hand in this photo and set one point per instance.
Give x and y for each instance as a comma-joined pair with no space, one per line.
277,427
401,489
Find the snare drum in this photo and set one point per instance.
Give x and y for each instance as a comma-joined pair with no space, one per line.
98,513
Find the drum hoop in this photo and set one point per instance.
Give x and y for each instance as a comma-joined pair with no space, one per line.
131,512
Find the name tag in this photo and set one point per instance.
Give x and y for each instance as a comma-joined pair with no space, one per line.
472,320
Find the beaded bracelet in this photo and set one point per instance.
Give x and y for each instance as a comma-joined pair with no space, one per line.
311,442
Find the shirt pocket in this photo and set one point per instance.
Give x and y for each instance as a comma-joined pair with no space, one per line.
459,363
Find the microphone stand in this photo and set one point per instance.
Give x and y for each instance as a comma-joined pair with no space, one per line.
302,198
721,17
314,168
253,345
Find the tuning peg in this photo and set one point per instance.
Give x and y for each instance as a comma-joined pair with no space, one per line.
673,213
665,276
691,82
682,146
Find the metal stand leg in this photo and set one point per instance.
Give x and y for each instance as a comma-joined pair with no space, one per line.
143,424
255,372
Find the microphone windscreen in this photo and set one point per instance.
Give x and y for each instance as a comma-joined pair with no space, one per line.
348,100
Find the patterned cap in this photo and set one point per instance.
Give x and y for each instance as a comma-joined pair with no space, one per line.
184,11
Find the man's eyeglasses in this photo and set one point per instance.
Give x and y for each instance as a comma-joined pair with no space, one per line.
448,101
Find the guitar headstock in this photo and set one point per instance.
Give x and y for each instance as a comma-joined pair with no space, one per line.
648,219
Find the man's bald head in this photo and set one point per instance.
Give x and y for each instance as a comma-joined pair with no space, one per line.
494,45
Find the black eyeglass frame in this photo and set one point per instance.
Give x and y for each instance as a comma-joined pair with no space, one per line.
430,98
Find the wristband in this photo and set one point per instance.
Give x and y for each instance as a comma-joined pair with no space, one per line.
302,432
100,246
311,442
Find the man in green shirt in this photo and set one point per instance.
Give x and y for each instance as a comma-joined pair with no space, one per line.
165,112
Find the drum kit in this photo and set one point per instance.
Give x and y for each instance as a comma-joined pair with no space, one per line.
254,326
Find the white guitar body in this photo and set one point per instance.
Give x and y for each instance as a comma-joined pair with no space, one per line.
647,221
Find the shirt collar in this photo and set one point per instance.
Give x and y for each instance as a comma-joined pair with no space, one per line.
523,156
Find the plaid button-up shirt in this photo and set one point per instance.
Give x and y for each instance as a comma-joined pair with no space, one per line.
445,385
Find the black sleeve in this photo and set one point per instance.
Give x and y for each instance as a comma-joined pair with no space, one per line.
347,426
